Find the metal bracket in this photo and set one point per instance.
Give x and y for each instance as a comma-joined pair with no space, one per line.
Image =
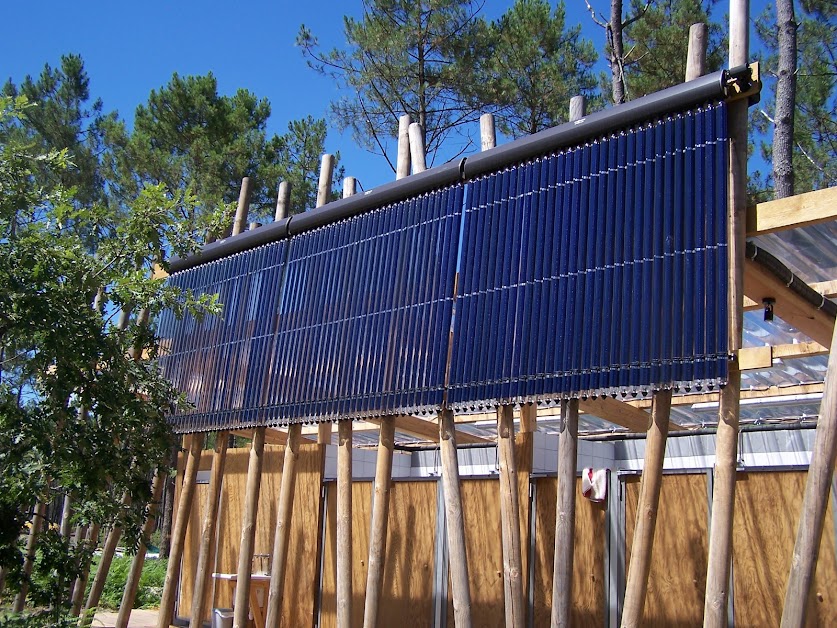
745,82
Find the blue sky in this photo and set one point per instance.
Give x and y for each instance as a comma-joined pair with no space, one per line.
130,48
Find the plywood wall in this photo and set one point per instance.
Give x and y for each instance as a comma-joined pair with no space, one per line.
767,507
588,564
677,580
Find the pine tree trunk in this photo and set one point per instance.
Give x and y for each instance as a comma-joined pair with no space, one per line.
617,51
785,99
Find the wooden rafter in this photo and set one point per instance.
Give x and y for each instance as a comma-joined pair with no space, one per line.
792,212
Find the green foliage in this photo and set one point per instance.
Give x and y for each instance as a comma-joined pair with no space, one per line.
401,57
815,128
532,65
657,44
150,584
70,391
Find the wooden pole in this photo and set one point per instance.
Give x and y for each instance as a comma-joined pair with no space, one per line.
459,584
655,440
378,529
241,606
646,519
206,551
510,518
814,504
488,136
132,584
326,173
344,524
178,534
402,164
726,441
79,587
283,201
349,186
29,557
417,148
240,222
108,551
281,536
66,516
562,583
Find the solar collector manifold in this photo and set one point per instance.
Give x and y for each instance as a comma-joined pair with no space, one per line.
598,269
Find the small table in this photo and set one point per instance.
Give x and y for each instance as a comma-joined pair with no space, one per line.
257,581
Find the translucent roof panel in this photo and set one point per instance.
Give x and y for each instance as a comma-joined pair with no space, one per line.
810,252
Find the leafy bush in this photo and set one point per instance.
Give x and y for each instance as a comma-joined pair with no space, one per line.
150,585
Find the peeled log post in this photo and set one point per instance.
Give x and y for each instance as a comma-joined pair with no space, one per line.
455,522
646,518
344,524
417,148
402,164
510,518
178,535
281,537
241,606
815,502
562,583
696,53
488,136
80,585
349,186
243,208
206,550
726,448
108,551
326,173
29,557
132,584
66,516
283,201
378,530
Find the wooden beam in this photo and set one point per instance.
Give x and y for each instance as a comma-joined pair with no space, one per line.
510,519
178,535
825,288
562,582
378,528
206,550
281,535
422,428
815,502
344,524
798,350
617,412
755,358
241,605
646,512
759,284
272,436
455,522
794,211
759,393
132,583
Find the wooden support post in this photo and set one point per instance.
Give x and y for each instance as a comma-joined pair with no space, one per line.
108,551
402,164
510,519
240,222
206,550
91,540
726,447
349,186
655,440
417,154
378,528
281,536
178,535
283,200
324,186
578,108
455,522
529,418
344,524
488,136
241,606
646,519
817,489
132,584
29,557
562,583
66,516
